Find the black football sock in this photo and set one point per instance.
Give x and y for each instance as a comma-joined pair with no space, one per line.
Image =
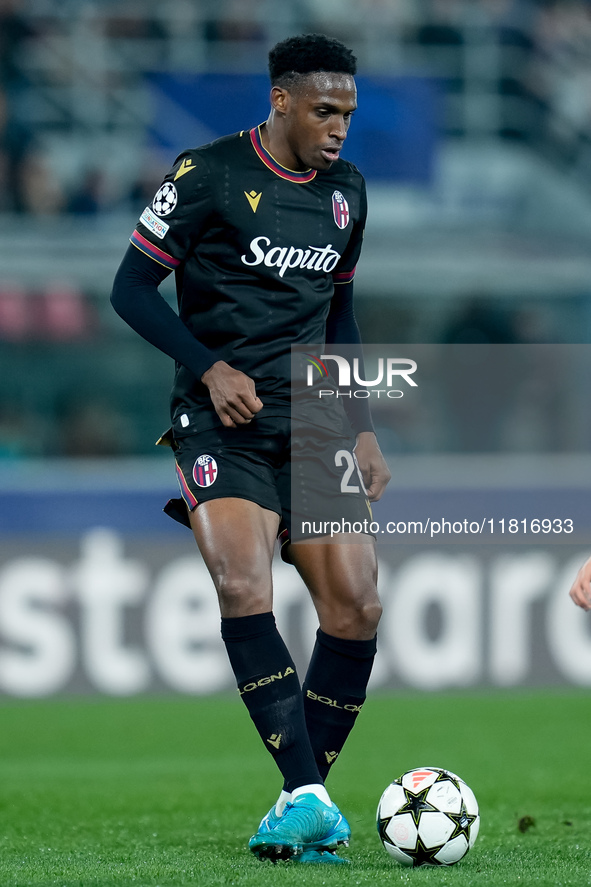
334,691
269,686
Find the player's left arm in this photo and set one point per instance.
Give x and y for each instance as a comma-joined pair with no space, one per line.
342,328
581,587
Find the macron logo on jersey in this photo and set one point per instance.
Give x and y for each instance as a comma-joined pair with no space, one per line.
314,258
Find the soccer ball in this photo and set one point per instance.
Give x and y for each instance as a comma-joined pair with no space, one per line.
165,200
428,817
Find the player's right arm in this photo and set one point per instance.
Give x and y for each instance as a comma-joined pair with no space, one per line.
158,245
581,587
136,299
232,393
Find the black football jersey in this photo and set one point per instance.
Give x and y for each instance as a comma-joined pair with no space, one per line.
257,249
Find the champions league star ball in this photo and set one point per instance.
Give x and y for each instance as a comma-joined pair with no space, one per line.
165,200
428,817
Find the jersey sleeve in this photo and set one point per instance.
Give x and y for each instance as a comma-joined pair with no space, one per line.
178,214
345,269
342,329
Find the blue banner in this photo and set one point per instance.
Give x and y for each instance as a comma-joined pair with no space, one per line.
393,135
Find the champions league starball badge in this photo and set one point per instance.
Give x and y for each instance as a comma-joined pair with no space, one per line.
165,200
205,470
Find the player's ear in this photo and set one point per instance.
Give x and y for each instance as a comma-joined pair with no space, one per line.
280,99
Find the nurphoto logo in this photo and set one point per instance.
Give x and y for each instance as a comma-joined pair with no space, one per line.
389,371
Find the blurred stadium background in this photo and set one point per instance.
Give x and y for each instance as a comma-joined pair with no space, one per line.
474,132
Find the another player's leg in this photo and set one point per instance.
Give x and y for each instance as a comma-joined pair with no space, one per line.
236,538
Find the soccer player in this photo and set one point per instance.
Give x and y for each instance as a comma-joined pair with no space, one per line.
263,230
581,588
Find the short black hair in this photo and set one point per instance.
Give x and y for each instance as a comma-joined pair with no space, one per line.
306,54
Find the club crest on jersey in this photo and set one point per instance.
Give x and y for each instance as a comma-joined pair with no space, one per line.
205,470
340,210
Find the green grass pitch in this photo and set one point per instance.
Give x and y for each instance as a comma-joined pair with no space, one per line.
167,791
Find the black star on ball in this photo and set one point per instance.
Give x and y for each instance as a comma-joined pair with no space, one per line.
422,855
462,821
416,804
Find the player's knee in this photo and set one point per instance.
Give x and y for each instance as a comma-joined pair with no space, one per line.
369,616
243,595
357,619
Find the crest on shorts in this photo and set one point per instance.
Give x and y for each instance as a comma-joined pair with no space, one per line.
205,470
340,210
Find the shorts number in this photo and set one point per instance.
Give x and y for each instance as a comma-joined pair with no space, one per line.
346,457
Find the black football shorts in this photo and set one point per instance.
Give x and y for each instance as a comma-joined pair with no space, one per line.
310,478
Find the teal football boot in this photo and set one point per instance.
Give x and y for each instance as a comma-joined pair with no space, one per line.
269,821
307,824
319,857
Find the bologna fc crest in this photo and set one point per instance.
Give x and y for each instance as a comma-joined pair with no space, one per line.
205,471
340,210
